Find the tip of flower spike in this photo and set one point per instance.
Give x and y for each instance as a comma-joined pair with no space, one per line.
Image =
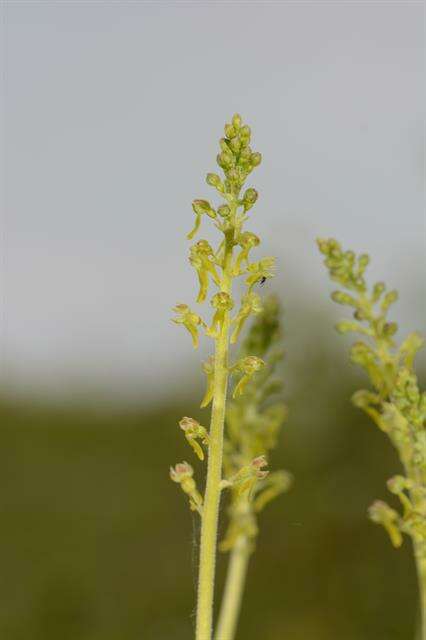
237,121
326,244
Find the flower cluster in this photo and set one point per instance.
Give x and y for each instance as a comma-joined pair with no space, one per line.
395,402
253,420
217,267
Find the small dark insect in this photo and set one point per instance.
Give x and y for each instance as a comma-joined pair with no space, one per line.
262,281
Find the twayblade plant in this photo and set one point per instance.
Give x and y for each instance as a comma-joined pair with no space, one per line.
244,474
394,403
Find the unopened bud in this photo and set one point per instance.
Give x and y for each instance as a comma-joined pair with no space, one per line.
378,289
255,159
224,160
363,260
224,210
249,198
237,121
235,145
346,325
390,329
245,133
201,206
213,180
230,131
343,298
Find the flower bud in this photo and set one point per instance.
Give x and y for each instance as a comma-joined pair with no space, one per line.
224,160
389,299
236,121
343,298
359,314
201,206
326,245
363,260
255,159
249,199
213,179
390,329
235,145
245,155
378,289
346,325
223,143
230,131
224,210
245,134
350,256
233,175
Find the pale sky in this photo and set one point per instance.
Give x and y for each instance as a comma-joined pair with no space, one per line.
113,111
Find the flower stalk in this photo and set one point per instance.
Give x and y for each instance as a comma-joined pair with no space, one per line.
209,522
234,589
218,268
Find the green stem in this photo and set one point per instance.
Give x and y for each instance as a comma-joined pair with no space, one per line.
209,525
419,552
234,588
417,477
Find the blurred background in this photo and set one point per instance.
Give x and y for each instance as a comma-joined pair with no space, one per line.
112,113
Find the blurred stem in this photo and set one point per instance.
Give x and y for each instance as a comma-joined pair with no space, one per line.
419,551
417,498
234,588
209,525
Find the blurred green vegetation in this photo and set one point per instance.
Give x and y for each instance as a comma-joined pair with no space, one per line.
96,543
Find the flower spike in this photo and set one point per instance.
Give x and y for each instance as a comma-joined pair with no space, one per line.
395,402
240,458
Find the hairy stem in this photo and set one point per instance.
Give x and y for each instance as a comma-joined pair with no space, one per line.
234,588
209,525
